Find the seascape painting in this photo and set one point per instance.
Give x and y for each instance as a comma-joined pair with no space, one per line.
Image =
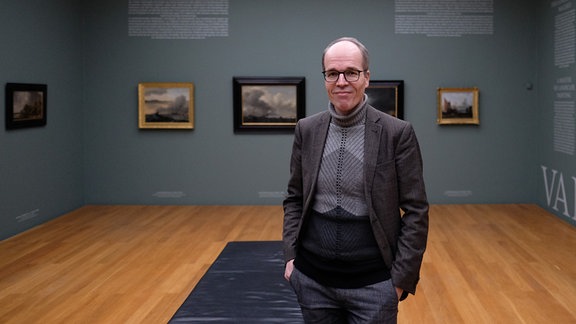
28,105
166,105
267,103
271,104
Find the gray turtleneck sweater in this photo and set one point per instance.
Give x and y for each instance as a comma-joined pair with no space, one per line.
338,246
340,182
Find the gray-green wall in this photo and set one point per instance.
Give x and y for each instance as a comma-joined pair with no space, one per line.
92,152
556,190
41,169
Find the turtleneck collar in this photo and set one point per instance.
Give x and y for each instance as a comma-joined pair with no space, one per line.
356,117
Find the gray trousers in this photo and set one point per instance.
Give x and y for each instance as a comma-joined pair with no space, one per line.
377,303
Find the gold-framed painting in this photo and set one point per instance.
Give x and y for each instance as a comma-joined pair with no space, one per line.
457,106
166,105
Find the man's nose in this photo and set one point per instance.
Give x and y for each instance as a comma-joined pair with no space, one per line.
341,80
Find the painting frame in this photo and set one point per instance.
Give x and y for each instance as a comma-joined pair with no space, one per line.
166,105
458,106
387,96
26,105
256,99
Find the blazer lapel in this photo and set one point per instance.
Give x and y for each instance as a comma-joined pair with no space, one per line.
371,148
318,141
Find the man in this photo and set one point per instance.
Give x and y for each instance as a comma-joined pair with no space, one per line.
356,213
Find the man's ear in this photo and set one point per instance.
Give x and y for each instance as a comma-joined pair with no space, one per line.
367,75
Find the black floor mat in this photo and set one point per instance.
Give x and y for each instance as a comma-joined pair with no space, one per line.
244,285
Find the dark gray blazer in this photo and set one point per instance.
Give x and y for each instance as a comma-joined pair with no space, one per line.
394,190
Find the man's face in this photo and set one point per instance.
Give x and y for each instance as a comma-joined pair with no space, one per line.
345,95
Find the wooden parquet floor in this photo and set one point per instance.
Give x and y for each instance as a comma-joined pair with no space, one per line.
137,264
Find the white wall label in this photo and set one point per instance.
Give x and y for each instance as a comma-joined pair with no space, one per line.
448,18
178,19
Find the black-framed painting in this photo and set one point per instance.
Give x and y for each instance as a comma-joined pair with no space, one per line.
268,103
26,105
387,96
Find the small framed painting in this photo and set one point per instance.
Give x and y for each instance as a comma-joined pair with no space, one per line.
166,105
458,106
25,105
267,104
387,96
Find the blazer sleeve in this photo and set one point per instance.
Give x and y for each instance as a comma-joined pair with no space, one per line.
293,203
413,203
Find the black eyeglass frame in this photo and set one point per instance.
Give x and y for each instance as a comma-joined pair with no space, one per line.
343,73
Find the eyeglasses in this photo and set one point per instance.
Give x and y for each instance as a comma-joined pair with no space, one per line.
349,75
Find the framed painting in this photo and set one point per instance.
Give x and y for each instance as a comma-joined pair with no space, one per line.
25,105
387,96
166,105
458,106
268,104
